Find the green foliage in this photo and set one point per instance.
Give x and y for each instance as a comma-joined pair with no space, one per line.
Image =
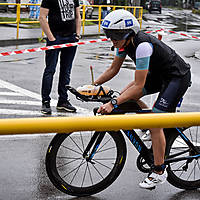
120,2
194,11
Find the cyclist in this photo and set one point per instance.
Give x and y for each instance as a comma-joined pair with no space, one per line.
158,69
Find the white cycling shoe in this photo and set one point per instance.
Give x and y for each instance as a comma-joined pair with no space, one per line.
146,136
153,180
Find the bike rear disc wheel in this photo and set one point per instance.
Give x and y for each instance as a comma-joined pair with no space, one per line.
182,174
73,174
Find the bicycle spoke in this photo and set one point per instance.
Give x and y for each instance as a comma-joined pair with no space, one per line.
196,134
198,164
190,134
77,169
82,140
178,154
64,157
181,141
106,149
73,169
76,144
71,149
103,159
102,164
73,160
104,144
191,172
90,175
178,167
84,175
97,171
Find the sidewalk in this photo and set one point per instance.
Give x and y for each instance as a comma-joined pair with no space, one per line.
30,36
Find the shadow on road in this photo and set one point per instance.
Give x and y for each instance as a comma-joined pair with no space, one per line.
186,194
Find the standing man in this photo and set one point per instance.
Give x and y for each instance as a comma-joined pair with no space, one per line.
63,26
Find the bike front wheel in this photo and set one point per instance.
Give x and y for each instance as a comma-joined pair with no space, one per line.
184,174
71,172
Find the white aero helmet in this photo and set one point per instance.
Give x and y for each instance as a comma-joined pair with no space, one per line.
120,24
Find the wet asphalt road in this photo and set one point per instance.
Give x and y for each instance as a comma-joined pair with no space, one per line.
22,168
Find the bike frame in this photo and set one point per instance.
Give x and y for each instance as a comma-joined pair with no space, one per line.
134,138
140,146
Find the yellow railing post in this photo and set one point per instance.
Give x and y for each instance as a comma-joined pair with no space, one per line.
18,18
99,19
83,20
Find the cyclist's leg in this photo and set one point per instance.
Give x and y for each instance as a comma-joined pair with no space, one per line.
159,174
152,85
166,102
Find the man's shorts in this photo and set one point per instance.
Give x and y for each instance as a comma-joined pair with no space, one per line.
170,92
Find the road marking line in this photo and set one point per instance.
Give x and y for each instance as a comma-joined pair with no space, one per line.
80,112
19,90
10,94
25,136
33,95
18,112
20,102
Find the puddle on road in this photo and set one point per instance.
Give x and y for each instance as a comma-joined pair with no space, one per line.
183,21
128,64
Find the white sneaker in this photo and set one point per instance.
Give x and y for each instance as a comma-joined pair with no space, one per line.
153,180
146,136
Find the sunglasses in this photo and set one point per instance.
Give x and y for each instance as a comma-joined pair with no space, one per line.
117,34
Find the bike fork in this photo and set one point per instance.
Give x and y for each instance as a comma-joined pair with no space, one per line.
98,137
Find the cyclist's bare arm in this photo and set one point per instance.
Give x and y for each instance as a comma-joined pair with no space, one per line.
111,71
135,91
139,102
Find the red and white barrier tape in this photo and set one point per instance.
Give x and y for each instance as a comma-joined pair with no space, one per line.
155,31
183,34
82,43
51,47
164,30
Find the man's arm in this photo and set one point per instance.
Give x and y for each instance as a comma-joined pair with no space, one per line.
44,23
111,71
78,21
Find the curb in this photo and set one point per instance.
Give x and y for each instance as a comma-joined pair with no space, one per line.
4,43
12,42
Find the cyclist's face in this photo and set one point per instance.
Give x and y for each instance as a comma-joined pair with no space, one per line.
118,43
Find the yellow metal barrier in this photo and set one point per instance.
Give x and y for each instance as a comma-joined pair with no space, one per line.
132,9
98,123
135,10
18,18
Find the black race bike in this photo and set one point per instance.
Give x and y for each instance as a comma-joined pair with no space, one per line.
86,162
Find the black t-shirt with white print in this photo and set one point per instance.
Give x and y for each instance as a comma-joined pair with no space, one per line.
62,14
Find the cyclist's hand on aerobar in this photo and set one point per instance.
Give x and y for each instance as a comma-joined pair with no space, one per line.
105,108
